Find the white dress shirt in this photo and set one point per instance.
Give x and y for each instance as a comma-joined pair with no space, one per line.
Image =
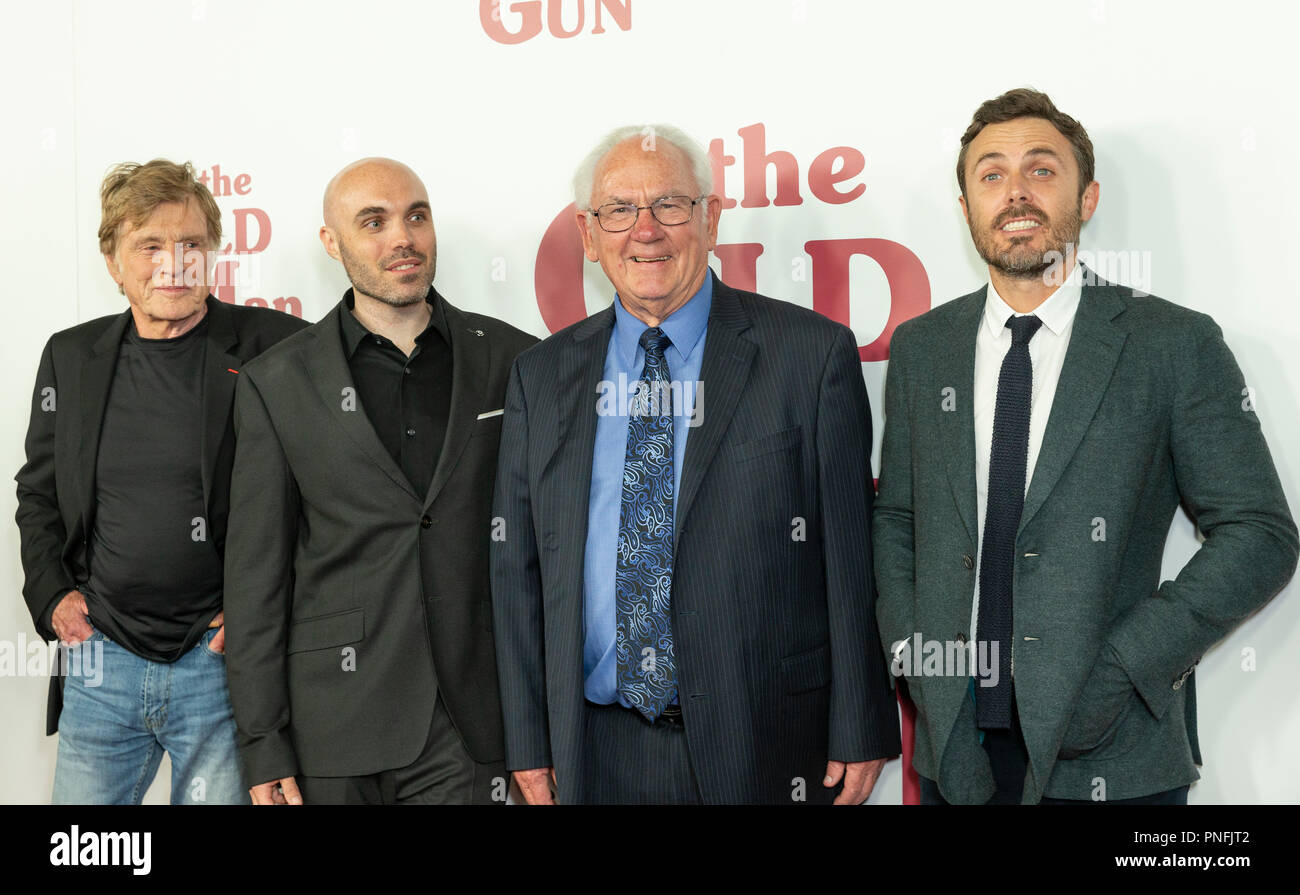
1047,355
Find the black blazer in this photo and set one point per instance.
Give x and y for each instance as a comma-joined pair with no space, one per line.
334,562
56,486
778,662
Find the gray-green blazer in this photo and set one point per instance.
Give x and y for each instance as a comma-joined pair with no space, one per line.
1151,410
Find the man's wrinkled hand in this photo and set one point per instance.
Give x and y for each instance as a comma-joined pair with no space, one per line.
859,779
278,792
70,618
537,785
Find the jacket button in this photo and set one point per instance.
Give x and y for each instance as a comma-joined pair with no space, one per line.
968,561
425,522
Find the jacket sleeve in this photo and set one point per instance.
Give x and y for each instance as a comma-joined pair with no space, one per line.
40,524
517,594
260,542
863,715
893,532
1227,481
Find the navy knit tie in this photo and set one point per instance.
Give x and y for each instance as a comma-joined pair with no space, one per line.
1006,500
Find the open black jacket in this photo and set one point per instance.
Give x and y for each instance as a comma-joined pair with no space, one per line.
56,486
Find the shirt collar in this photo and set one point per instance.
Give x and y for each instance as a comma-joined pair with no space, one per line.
1056,312
684,326
354,332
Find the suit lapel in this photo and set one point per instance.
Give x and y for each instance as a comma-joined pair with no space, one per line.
1095,345
725,368
577,377
328,370
955,368
566,474
96,381
470,359
218,388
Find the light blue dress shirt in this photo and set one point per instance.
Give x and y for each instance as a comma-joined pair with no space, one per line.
624,360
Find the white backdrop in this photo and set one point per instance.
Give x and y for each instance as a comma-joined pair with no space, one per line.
1187,104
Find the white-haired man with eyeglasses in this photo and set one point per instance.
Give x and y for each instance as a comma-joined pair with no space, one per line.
683,599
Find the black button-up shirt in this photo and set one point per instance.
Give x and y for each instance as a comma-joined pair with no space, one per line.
406,398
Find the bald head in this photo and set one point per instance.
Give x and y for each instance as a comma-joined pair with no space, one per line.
362,177
378,224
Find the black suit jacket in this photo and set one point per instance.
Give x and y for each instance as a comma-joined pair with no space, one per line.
334,561
56,486
775,635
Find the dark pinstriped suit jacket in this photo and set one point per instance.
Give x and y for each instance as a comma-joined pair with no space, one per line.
773,600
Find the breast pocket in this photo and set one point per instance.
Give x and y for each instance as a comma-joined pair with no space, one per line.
771,443
488,425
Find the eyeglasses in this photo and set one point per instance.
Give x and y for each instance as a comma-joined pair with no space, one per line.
615,217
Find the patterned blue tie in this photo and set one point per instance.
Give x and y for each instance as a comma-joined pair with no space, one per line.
643,580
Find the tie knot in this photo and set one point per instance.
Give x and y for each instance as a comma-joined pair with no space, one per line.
654,341
1023,328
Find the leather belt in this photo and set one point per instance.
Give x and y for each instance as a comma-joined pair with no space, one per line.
671,714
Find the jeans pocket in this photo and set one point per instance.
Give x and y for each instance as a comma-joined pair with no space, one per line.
95,634
206,639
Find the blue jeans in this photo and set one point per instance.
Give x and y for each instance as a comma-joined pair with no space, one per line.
121,712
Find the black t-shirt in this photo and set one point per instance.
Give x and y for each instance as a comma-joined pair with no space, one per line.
155,576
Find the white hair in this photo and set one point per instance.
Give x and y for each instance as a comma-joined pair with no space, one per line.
585,177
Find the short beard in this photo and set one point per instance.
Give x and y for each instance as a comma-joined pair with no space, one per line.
369,283
393,301
1019,264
